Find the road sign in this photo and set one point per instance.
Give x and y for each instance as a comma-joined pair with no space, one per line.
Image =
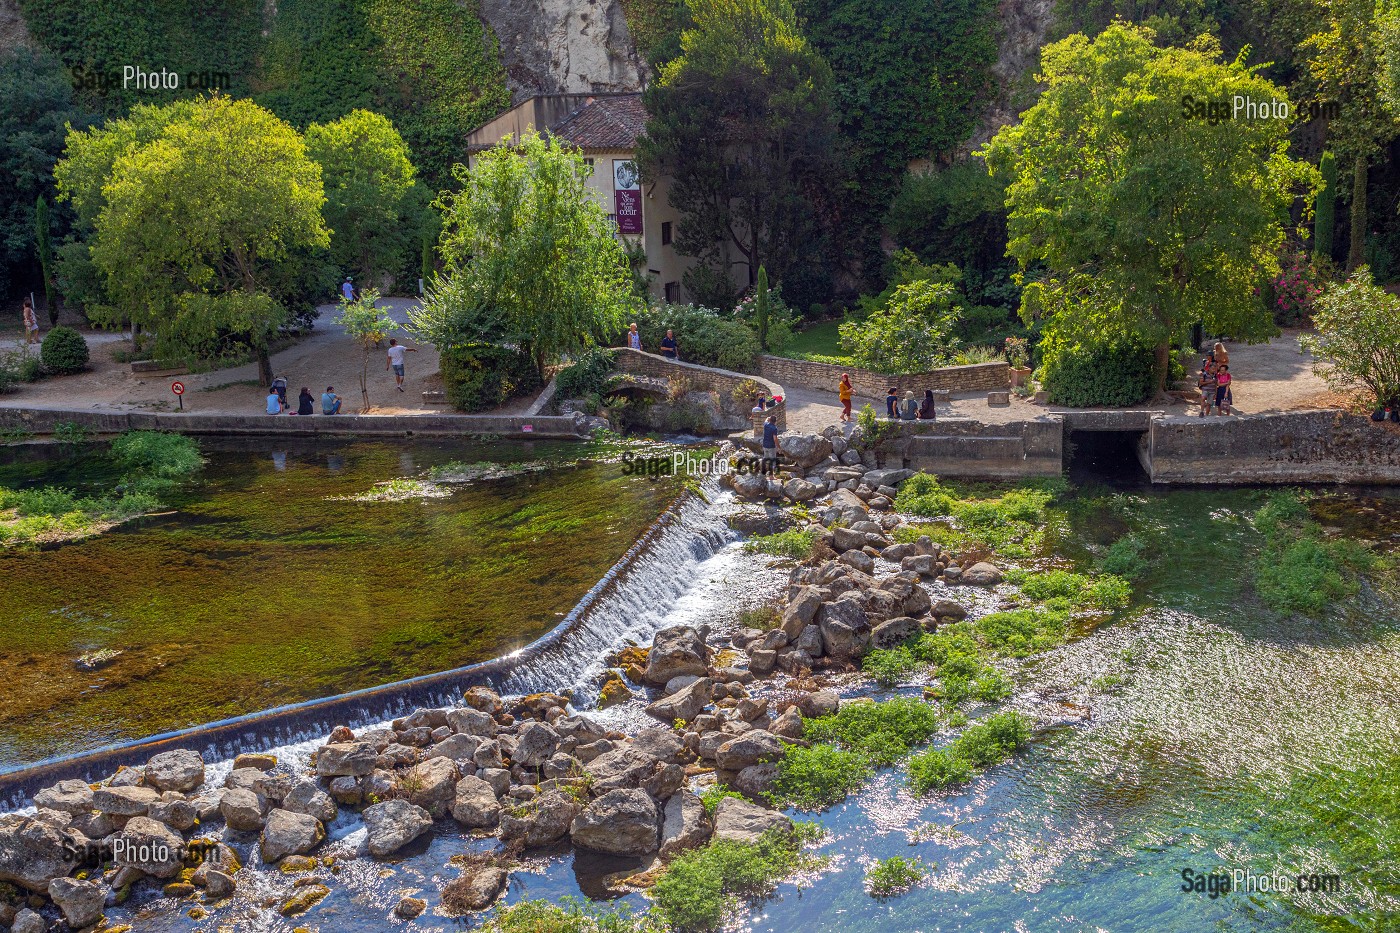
178,388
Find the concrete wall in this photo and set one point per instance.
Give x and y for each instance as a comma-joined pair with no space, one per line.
42,421
1292,447
721,381
979,377
984,451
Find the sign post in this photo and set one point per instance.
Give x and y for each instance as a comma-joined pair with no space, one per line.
179,389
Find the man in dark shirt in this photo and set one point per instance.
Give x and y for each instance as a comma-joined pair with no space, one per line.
668,345
891,400
770,441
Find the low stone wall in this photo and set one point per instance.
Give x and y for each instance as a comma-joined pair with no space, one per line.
987,451
721,381
1291,447
979,377
43,421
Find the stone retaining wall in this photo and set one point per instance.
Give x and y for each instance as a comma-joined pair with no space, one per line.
979,377
721,381
976,450
43,421
1291,447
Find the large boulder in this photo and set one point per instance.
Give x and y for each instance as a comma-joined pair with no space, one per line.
748,748
741,821
621,822
536,742
675,651
306,797
627,766
476,889
684,824
847,539
432,785
801,610
685,704
287,833
174,811
878,478
393,824
806,450
541,821
661,744
31,853
71,796
475,805
242,809
470,721
892,633
800,490
845,628
80,901
982,574
152,847
125,801
179,770
458,747
352,758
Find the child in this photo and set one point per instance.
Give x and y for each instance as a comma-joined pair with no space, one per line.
1223,398
1206,384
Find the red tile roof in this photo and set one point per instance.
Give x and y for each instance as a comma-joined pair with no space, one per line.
605,123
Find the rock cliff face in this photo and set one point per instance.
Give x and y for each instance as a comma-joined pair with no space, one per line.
564,46
1022,28
13,32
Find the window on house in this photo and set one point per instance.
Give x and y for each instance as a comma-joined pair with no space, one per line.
665,233
673,292
588,162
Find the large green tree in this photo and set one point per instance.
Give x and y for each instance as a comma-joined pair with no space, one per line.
742,124
530,257
367,175
194,223
1143,217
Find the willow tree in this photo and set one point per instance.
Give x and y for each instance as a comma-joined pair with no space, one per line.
1141,218
530,257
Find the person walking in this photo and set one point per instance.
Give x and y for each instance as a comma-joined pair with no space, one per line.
394,358
634,338
31,323
844,392
668,346
347,289
330,402
306,405
770,443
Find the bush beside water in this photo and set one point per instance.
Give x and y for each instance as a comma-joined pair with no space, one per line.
984,744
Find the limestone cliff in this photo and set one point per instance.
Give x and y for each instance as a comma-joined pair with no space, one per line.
564,46
13,32
1022,26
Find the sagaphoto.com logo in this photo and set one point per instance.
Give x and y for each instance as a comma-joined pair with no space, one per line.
137,78
684,463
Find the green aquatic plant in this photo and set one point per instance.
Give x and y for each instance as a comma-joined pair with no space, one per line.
569,915
887,731
794,542
1125,558
1009,522
890,666
1298,568
818,776
894,875
982,745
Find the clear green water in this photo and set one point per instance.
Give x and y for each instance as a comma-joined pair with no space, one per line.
262,588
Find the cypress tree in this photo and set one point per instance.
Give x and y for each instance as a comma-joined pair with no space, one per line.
1325,211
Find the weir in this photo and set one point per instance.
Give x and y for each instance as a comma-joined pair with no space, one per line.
629,601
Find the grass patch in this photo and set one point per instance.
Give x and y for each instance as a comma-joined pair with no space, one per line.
1300,570
1009,524
817,777
894,875
819,343
762,618
890,666
1064,589
885,731
701,886
984,744
794,542
568,916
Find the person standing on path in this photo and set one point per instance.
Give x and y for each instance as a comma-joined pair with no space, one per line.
394,358
770,442
634,338
668,346
844,391
31,323
347,289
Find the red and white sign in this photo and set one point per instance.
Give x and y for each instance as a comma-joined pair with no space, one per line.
627,196
178,388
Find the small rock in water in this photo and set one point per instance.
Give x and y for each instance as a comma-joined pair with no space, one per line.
410,907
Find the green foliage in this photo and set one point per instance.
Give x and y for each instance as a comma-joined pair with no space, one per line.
889,666
1325,209
711,796
956,214
1298,569
1094,370
509,280
983,744
43,249
1010,524
699,886
819,776
912,333
589,373
885,731
1103,592
479,377
567,916
1357,343
156,454
793,542
656,27
1125,558
873,431
893,875
703,336
1072,202
64,351
367,175
1021,632
367,324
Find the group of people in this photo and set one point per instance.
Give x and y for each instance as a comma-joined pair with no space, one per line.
306,403
669,346
1214,382
910,409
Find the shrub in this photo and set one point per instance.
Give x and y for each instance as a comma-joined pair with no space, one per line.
698,886
819,776
890,666
1111,371
568,916
588,374
887,731
1358,328
912,333
156,453
794,542
712,795
481,376
64,351
18,366
984,744
704,337
893,876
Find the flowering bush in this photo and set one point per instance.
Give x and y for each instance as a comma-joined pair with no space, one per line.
1295,291
1018,351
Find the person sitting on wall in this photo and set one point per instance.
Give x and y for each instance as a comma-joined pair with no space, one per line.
909,409
330,402
759,404
927,411
892,403
306,405
274,402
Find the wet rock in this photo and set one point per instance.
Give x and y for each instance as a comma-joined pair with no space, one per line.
350,758
287,833
410,907
152,847
482,698
684,705
470,721
762,661
272,786
788,725
303,899
306,797
537,742
432,785
393,824
242,809
474,803
260,760
620,822
756,780
219,884
982,574
346,791
174,811
221,858
543,820
423,719
178,770
819,703
894,632
613,691
98,825
684,824
27,921
845,628
340,734
742,821
475,890
125,801
71,796
748,749
31,853
675,651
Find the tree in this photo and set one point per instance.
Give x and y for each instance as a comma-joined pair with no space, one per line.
1146,218
367,175
1357,343
762,305
530,257
43,248
912,333
1325,210
368,325
195,222
742,124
